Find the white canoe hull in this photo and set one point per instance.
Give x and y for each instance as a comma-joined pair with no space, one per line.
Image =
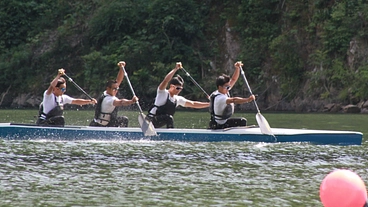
28,132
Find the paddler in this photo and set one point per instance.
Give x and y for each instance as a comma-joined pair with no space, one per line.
54,99
222,105
106,112
163,109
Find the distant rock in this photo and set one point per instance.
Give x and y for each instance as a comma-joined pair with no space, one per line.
26,101
351,109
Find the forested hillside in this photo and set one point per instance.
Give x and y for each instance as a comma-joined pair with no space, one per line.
297,55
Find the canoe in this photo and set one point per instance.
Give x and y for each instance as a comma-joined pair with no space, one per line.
13,131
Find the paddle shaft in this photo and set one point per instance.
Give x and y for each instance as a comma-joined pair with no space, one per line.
131,88
147,127
195,82
76,85
250,91
262,122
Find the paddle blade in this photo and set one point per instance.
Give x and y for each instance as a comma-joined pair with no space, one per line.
147,127
263,124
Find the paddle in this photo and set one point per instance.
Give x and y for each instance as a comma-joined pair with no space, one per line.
76,85
195,82
147,127
262,122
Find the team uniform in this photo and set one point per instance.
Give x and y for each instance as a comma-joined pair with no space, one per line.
106,113
163,110
221,112
51,109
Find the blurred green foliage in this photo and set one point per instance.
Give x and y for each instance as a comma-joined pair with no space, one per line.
302,47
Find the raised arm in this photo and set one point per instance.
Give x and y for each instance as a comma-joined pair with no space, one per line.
236,73
169,76
120,76
54,82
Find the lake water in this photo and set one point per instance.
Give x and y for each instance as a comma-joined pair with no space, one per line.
150,173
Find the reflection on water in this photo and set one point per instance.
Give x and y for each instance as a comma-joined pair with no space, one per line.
145,173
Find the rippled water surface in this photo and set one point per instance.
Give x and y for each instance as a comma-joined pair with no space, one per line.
145,173
148,173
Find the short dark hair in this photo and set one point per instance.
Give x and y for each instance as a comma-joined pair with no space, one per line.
110,83
177,80
222,80
61,81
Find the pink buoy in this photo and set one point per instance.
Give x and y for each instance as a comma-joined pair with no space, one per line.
343,188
